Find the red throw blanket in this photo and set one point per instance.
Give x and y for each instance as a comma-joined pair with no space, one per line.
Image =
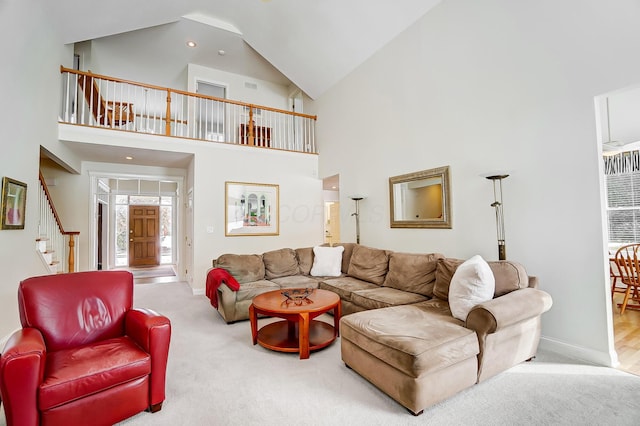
215,277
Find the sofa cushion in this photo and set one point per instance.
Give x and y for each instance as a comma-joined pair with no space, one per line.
244,267
344,286
412,272
383,297
280,263
391,335
346,256
369,264
86,370
440,308
472,283
509,276
327,261
250,290
297,281
305,260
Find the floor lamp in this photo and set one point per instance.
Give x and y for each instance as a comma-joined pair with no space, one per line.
497,204
357,199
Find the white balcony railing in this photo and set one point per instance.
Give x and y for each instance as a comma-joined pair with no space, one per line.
100,101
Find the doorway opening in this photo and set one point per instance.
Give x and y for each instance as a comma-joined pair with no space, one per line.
136,224
619,141
331,198
210,115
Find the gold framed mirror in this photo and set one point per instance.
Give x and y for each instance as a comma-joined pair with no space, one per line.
421,199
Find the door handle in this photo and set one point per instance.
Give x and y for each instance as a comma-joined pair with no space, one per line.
131,240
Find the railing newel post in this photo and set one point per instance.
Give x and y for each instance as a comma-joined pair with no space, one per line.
251,137
72,258
168,114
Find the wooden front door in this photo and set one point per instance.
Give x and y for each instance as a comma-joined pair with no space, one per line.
144,235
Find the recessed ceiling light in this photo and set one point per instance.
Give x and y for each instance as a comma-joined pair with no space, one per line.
191,43
221,52
128,157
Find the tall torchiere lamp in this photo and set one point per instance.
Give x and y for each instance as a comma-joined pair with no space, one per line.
357,199
499,207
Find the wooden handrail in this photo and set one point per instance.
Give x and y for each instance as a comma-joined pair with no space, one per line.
183,92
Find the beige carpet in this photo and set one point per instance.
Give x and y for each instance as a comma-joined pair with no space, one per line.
217,377
153,271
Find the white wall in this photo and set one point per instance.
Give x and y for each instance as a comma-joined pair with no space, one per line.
104,56
266,93
301,203
29,83
495,86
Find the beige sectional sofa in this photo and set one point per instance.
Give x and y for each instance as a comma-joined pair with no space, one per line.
397,329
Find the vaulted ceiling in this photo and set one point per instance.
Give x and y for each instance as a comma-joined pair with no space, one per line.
311,43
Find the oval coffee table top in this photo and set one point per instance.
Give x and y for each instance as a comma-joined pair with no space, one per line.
275,301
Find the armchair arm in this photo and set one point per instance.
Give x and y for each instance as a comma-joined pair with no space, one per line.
509,309
152,332
21,372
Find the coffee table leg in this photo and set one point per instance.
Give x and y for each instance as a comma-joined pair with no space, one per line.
303,332
253,318
337,313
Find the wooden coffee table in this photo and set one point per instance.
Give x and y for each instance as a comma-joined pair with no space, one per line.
299,332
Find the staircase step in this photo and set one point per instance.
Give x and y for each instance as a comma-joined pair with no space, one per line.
41,244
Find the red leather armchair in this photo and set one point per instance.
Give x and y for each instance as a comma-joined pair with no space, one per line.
83,355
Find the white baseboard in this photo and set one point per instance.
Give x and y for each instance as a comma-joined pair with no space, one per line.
197,291
608,359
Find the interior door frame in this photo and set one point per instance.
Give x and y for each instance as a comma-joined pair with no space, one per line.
178,218
225,122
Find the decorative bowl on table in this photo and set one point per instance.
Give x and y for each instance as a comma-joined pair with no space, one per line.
298,295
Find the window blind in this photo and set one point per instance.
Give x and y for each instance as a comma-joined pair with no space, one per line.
622,178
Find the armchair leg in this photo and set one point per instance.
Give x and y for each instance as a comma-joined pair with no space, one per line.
155,407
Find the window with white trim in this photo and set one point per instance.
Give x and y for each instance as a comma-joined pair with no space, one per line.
622,180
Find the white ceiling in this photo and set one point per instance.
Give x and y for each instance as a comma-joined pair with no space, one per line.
312,43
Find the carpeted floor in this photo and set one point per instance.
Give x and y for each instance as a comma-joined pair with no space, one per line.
153,272
216,376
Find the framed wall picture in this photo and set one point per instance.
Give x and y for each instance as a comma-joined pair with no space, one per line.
14,203
251,209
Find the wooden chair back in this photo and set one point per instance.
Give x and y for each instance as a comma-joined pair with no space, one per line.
627,260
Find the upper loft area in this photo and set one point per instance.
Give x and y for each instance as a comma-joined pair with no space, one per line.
100,101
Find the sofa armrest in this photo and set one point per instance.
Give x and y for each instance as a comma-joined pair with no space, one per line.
509,309
152,332
21,372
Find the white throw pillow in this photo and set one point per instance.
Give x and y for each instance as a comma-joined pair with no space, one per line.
472,283
327,261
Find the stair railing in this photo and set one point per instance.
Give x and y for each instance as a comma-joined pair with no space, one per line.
55,243
96,100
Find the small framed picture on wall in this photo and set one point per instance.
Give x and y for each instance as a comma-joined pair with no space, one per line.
251,209
14,203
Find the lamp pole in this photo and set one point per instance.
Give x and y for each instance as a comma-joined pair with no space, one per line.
499,207
357,199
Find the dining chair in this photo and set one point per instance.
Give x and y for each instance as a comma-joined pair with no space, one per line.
628,264
615,277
